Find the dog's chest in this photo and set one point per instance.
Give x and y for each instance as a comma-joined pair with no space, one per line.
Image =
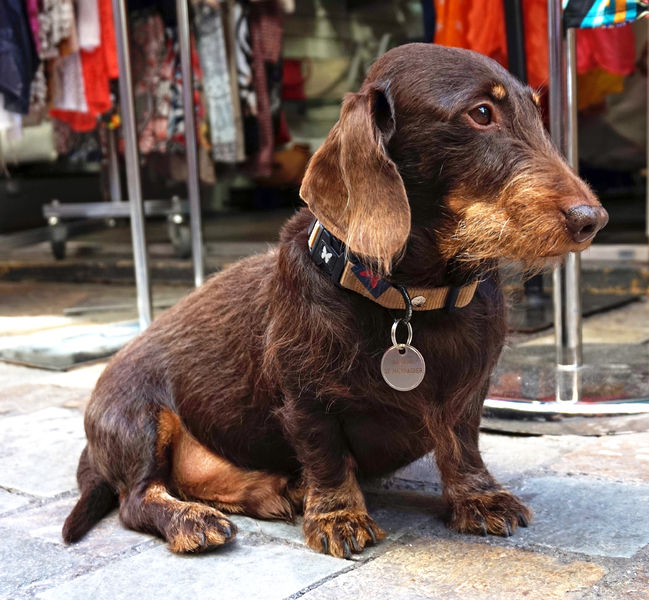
455,350
387,429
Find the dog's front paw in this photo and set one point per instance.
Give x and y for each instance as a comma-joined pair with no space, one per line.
341,532
498,512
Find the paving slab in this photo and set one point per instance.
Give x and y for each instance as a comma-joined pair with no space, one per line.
83,377
506,456
12,374
10,501
240,570
44,523
29,397
509,456
40,450
429,570
597,518
619,457
626,581
26,561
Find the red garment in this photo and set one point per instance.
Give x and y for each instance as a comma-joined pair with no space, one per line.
266,41
486,34
99,66
452,22
480,26
292,80
611,49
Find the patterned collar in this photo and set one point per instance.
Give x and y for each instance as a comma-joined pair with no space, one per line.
330,255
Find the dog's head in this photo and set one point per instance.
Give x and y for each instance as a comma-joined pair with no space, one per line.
447,140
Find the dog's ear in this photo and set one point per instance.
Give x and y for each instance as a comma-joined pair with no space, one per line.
352,186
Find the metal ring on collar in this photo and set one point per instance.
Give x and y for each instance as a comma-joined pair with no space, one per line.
393,332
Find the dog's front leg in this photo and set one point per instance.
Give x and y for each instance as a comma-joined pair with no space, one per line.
477,502
335,516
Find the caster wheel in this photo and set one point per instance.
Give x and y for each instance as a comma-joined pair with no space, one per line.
58,249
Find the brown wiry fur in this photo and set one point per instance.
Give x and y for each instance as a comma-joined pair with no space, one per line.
261,391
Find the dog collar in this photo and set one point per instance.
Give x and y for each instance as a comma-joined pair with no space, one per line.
330,255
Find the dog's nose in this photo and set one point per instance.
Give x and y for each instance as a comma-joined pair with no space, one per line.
585,221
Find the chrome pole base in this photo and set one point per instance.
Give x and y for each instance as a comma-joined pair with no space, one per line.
529,388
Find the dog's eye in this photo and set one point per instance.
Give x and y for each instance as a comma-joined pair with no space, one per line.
481,114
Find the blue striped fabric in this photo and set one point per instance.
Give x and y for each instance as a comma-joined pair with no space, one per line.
602,13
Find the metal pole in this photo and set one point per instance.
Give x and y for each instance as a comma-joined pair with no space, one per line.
567,336
129,132
647,143
556,71
113,168
567,284
193,190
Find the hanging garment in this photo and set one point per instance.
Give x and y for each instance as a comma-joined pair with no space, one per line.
18,58
10,125
266,38
55,24
452,24
210,39
152,60
486,34
32,12
108,40
601,13
38,95
229,26
69,92
595,85
611,49
82,98
480,26
176,127
245,79
89,24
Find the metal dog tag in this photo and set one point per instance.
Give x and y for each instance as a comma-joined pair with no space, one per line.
402,365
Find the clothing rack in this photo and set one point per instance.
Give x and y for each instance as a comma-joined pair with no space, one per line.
134,207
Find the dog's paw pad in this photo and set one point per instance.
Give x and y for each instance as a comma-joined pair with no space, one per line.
497,512
341,533
200,530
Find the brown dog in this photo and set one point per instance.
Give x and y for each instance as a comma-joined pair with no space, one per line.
263,391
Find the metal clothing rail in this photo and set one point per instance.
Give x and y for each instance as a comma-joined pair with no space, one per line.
132,158
142,278
137,207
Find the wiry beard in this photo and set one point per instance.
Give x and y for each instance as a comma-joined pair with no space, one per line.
524,224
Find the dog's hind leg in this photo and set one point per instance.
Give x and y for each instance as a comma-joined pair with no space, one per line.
187,526
197,473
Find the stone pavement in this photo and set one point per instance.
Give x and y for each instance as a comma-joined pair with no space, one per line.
589,539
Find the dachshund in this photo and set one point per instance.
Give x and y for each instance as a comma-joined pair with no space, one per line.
363,341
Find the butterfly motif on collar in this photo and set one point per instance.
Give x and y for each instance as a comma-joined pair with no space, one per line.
326,256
